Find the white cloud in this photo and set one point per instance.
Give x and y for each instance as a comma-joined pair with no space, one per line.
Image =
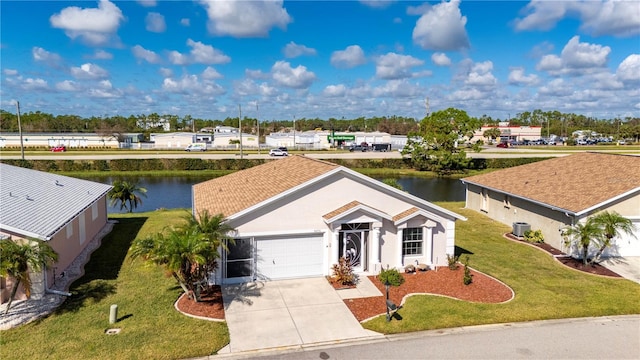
295,78
480,75
440,59
189,84
397,89
68,85
177,58
101,55
89,71
42,55
248,87
147,3
442,28
256,74
149,56
598,18
239,18
210,73
10,72
575,58
293,50
35,84
556,87
379,4
629,69
518,77
335,90
155,22
394,66
206,54
348,58
166,72
94,26
185,22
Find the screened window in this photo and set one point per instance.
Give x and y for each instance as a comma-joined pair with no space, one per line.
412,241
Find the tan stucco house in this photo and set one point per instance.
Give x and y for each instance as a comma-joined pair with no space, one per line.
296,216
64,211
553,194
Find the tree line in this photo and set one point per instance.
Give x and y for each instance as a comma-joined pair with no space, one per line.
552,122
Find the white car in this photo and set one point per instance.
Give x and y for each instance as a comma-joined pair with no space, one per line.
196,147
277,152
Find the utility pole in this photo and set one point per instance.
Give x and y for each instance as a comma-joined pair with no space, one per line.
240,127
426,105
258,123
20,129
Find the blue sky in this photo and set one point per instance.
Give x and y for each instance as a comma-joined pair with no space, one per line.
320,58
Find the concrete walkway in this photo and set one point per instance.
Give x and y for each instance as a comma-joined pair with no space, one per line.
290,313
627,267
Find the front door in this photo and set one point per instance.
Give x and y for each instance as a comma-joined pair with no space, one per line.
352,249
239,265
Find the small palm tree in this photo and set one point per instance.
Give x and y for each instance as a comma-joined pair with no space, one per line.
188,252
126,193
17,260
583,234
612,225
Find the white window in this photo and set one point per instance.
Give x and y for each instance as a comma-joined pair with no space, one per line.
94,211
485,200
412,241
69,230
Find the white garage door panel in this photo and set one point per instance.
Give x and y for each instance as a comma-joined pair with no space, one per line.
626,245
289,257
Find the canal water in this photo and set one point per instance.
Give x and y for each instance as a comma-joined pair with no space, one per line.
175,191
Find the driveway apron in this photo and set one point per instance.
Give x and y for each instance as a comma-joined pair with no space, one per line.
286,313
627,267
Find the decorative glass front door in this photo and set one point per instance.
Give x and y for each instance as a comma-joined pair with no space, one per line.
351,248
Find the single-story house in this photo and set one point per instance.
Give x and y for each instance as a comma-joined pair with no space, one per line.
551,195
296,216
64,211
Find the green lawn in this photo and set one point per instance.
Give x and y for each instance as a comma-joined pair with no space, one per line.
544,288
152,329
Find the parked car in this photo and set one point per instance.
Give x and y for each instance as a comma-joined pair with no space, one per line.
277,152
196,147
284,150
503,145
59,148
384,147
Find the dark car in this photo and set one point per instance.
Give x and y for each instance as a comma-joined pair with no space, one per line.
503,145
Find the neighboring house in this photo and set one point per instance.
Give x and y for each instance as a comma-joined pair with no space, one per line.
64,211
296,216
553,194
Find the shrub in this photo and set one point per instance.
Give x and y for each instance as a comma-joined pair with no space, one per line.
534,236
452,261
467,278
343,272
392,276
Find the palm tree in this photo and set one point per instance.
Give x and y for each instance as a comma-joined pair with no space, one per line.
582,235
188,252
612,225
126,192
17,260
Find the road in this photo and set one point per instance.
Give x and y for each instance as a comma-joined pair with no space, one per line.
616,337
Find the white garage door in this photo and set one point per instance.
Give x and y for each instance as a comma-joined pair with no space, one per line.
626,245
289,257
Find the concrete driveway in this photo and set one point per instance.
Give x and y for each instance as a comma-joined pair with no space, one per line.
287,313
627,267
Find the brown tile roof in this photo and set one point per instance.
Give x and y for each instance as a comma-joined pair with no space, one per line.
341,209
405,213
575,182
238,191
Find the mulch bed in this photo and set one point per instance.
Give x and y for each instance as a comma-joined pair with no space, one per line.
211,305
567,260
336,285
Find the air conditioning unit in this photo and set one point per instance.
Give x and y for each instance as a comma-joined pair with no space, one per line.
519,228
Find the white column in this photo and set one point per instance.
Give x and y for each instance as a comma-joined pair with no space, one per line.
399,249
427,232
376,245
335,246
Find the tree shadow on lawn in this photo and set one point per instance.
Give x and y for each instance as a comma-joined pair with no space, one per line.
104,265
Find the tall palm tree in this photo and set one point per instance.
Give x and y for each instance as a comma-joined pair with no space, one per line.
17,260
612,225
188,252
583,234
126,192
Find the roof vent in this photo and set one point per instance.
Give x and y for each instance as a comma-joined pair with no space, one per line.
57,183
